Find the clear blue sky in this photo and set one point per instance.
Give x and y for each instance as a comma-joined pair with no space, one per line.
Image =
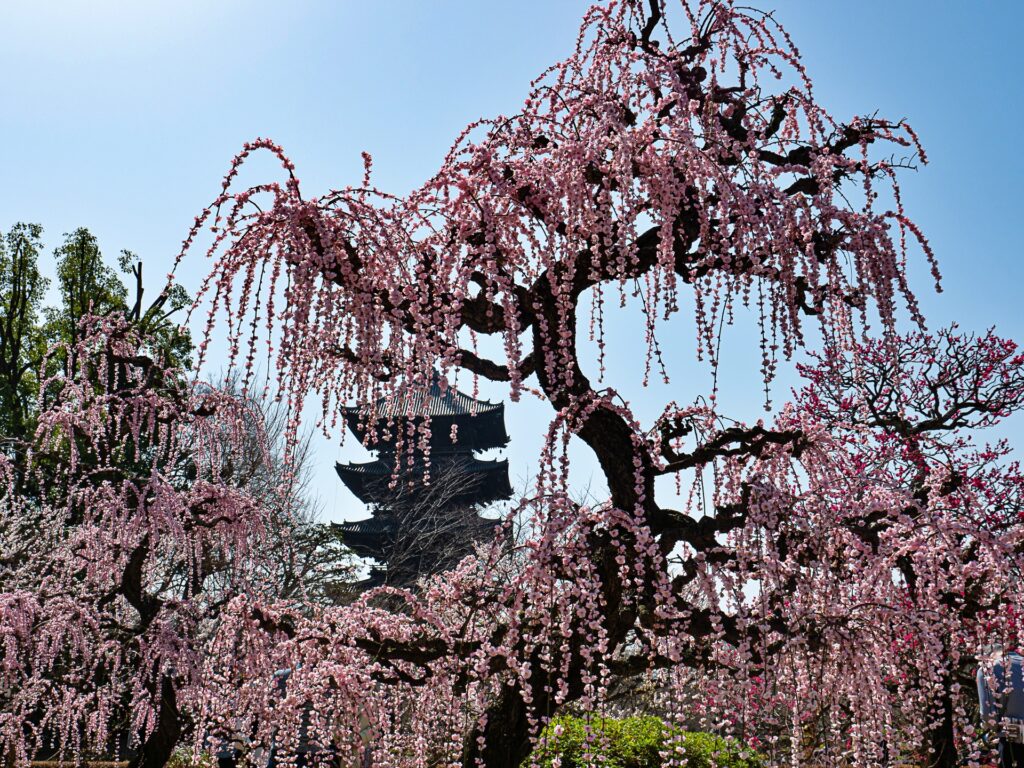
122,116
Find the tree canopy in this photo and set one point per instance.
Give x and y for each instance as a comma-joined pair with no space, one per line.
34,333
116,547
822,594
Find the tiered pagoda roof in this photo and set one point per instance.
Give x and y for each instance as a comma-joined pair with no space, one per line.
376,578
485,481
364,537
404,510
480,425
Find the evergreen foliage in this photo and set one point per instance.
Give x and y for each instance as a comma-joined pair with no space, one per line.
635,742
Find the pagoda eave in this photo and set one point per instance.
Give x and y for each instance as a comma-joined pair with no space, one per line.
487,480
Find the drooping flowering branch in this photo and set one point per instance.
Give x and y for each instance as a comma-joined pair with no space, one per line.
136,539
633,158
821,601
827,606
654,158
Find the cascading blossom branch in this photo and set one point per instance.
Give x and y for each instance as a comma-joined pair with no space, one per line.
821,602
679,146
641,164
124,541
828,608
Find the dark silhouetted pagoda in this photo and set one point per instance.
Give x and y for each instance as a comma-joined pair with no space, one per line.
418,527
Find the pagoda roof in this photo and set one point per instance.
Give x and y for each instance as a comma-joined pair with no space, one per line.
365,537
372,537
381,468
371,526
481,424
369,481
378,577
411,401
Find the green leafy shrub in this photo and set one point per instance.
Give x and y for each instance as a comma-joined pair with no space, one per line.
635,742
183,757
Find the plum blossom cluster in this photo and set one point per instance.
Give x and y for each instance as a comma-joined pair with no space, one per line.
822,592
679,147
121,539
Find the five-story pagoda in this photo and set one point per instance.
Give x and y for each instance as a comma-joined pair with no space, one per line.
424,511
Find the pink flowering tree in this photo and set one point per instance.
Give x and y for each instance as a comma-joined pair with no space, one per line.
827,591
822,590
137,541
826,603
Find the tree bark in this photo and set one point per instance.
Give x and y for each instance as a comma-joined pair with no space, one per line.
158,747
506,735
941,738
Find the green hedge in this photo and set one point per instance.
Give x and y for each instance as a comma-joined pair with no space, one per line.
637,742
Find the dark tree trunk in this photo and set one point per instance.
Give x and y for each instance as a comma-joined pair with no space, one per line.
940,738
507,742
157,749
507,733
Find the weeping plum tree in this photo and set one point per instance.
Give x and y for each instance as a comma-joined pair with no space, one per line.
159,499
139,537
123,485
849,556
822,599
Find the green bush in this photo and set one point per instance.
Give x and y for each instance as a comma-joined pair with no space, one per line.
636,742
183,757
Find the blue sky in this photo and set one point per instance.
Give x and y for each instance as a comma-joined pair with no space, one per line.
122,116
